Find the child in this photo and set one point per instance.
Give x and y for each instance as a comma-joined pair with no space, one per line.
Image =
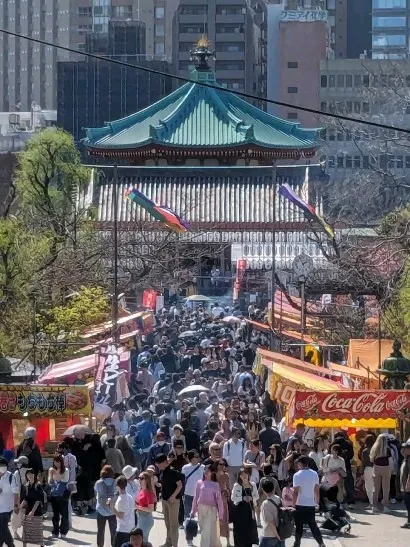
177,435
287,494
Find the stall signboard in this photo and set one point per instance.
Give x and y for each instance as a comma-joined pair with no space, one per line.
47,401
339,405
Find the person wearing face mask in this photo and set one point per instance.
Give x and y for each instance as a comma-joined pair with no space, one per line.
21,464
105,491
159,447
9,502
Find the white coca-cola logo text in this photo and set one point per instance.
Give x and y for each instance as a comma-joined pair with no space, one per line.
372,403
400,402
308,404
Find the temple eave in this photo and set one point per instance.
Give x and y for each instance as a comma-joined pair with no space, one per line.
215,226
166,151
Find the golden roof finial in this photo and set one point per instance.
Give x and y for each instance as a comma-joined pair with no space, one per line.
203,41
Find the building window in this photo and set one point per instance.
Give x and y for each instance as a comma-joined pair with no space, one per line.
194,10
389,22
230,65
293,64
388,40
388,4
331,162
340,136
340,80
349,162
357,80
159,48
323,81
230,10
332,80
323,106
189,28
232,47
366,80
159,30
237,85
399,162
85,12
292,115
82,29
230,28
349,80
356,162
292,89
407,162
185,46
159,13
121,12
365,108
340,162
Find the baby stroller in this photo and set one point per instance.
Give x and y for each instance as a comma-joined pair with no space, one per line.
337,520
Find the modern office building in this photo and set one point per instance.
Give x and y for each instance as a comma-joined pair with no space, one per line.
233,30
350,23
28,71
351,87
296,44
390,29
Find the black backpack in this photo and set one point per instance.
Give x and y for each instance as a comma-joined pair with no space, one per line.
286,525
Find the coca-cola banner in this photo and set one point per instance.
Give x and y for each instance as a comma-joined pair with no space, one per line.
339,405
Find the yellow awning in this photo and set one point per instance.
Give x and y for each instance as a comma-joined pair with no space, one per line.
373,423
303,378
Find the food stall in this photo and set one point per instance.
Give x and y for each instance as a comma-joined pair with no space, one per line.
50,409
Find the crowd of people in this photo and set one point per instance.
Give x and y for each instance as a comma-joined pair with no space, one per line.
201,439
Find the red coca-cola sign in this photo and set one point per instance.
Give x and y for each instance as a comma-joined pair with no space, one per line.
351,404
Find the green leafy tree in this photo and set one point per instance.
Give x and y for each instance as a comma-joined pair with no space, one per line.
62,326
48,243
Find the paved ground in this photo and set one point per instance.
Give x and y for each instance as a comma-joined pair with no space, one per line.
375,530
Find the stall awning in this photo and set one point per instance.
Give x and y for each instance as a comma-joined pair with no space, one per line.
304,378
366,352
267,358
123,321
378,409
77,366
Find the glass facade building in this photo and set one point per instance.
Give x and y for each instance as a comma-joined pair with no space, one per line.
390,29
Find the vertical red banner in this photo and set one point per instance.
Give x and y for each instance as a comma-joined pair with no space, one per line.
149,298
240,273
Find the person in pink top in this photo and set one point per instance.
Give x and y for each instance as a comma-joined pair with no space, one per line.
208,504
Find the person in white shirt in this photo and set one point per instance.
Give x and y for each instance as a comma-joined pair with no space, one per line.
21,464
133,485
306,498
9,501
193,472
233,453
124,510
217,311
121,424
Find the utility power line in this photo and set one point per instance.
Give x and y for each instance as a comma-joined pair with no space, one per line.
219,88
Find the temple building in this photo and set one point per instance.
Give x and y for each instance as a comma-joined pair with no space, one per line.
218,162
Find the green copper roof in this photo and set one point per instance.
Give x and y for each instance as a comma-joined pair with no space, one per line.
200,116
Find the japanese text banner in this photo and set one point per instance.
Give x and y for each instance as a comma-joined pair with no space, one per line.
47,401
352,404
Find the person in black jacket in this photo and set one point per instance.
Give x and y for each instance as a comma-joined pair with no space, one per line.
30,449
347,454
